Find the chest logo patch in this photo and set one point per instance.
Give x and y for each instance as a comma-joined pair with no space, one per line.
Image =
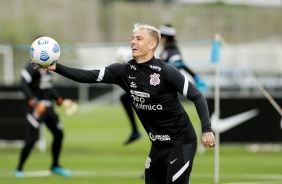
155,79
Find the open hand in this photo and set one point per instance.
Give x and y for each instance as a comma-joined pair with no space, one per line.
51,68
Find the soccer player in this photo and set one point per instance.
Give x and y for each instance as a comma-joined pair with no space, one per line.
153,87
171,55
40,94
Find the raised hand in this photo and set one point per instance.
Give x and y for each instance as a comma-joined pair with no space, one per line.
51,68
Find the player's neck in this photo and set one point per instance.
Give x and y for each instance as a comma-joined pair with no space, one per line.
143,59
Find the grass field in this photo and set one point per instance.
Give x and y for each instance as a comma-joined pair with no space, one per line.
93,150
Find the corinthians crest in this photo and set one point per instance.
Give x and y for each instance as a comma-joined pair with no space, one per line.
155,79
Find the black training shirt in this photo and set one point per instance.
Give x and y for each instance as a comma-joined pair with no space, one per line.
153,87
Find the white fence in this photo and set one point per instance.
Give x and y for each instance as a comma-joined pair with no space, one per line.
8,64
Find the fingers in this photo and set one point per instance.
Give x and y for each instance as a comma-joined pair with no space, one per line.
44,70
208,140
211,145
36,67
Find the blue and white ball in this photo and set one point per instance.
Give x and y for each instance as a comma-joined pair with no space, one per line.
45,51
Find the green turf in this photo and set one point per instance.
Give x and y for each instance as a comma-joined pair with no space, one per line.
93,143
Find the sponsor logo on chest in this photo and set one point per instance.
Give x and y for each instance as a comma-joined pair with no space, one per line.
132,67
156,67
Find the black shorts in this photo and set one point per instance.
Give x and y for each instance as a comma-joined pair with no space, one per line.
170,165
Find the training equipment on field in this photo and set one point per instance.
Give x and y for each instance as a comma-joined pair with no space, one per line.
45,51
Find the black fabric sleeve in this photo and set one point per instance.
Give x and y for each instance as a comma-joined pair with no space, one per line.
78,75
201,107
109,74
186,88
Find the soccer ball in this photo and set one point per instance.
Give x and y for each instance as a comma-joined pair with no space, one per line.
45,51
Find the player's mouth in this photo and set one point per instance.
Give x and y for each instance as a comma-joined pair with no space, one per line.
134,49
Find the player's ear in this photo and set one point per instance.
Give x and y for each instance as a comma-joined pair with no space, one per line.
153,45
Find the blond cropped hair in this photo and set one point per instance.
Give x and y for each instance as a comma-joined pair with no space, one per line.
155,33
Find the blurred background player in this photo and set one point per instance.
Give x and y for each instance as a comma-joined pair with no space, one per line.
171,55
124,55
39,94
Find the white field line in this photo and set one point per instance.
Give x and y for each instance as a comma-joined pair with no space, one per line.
243,176
260,177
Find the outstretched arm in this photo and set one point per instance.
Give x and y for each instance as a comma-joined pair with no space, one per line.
78,75
109,74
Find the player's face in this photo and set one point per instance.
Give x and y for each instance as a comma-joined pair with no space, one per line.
141,46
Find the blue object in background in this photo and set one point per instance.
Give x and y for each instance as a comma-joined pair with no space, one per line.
201,84
215,52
